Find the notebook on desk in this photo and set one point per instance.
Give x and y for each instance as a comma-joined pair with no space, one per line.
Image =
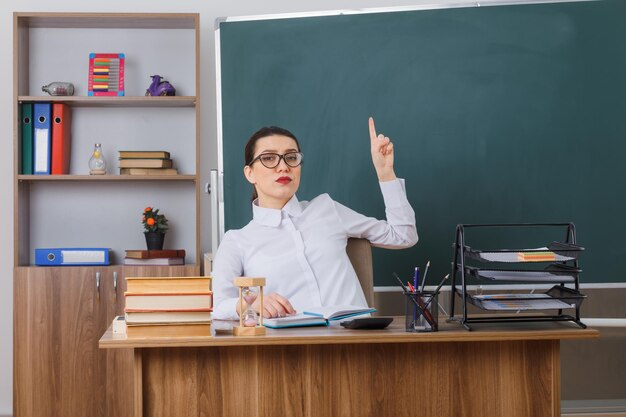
318,316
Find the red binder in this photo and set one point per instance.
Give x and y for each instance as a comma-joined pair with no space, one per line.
61,138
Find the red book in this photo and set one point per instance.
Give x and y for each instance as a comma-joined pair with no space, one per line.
154,254
61,138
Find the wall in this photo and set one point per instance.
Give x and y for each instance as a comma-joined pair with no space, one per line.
209,11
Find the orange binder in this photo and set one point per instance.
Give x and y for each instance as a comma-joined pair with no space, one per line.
61,138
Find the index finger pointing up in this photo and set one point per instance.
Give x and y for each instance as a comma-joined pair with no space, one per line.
372,129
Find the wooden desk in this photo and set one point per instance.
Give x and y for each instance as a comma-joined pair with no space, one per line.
491,371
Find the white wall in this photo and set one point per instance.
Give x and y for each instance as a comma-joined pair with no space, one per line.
209,11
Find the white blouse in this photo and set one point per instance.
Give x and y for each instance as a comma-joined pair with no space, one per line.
301,250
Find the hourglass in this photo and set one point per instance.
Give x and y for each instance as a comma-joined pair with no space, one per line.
249,323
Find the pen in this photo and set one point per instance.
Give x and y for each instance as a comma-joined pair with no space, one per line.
400,281
437,290
424,277
411,287
406,290
416,278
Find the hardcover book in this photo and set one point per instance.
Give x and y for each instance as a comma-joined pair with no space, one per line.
168,284
148,171
168,301
144,154
145,163
155,253
168,330
161,317
154,261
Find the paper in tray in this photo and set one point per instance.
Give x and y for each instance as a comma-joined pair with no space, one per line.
521,255
537,304
557,298
547,275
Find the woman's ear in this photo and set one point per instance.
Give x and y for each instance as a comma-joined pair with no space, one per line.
247,171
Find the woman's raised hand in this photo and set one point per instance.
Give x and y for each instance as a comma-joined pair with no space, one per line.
382,154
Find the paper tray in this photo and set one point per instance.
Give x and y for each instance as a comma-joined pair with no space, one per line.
553,273
554,252
557,298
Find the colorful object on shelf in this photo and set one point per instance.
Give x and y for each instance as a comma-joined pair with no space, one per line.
153,221
106,75
97,164
26,125
160,87
59,88
42,138
71,256
61,138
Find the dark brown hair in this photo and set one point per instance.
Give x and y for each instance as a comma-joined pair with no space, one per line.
248,153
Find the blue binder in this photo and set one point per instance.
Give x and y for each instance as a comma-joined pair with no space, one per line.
71,256
42,138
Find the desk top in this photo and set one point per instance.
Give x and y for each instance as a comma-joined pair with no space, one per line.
395,333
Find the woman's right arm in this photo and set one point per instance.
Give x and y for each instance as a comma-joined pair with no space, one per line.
227,266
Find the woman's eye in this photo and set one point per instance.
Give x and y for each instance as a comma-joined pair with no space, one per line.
268,158
291,158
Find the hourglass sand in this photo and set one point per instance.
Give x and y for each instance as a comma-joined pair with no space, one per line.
249,323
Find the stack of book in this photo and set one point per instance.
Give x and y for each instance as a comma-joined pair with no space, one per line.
146,163
168,306
155,257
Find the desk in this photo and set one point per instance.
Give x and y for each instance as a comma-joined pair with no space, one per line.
319,371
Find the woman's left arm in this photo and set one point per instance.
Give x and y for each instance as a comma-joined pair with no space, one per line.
399,230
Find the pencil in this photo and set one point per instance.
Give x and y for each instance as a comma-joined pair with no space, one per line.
424,277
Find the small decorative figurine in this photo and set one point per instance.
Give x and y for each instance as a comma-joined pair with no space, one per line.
97,164
160,87
106,74
59,88
249,323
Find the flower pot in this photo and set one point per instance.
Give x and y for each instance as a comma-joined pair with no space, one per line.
154,240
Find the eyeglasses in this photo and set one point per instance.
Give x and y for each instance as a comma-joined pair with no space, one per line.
271,160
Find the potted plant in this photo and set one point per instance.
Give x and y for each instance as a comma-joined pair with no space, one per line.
155,226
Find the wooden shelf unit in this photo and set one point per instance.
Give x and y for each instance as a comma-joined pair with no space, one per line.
124,101
23,22
60,312
99,178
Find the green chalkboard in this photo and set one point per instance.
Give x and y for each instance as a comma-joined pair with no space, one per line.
498,114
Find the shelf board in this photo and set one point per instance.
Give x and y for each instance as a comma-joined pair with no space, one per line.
108,20
124,101
106,177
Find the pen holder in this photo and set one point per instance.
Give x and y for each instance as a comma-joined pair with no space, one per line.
421,311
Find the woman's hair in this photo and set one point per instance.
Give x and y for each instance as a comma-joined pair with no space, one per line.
248,153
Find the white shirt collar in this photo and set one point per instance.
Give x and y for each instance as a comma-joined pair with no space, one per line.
271,217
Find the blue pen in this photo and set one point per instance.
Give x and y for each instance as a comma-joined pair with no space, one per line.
416,278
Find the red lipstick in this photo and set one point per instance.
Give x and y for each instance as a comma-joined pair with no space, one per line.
283,180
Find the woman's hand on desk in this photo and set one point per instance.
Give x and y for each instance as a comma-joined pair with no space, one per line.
274,305
382,154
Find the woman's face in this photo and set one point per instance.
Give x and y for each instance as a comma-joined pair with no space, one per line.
275,186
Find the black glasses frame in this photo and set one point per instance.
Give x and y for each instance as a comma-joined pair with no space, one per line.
258,158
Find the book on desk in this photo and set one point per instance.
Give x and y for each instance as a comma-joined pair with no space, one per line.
318,316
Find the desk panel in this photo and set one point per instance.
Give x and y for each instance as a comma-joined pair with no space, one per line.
492,371
439,379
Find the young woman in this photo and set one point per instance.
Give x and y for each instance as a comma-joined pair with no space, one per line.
300,246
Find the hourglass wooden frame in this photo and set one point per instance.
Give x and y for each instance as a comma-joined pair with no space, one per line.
259,329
